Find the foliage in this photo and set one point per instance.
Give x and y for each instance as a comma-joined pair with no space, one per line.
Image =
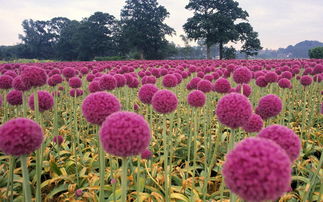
143,28
216,22
316,53
229,53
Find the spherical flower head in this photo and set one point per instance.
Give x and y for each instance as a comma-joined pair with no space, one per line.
18,84
269,106
242,75
261,81
5,82
222,85
135,107
20,136
14,97
97,106
257,169
45,101
121,80
234,110
74,92
84,70
90,77
125,134
169,81
193,83
287,75
75,82
94,87
204,86
68,72
196,98
134,83
254,124
246,89
78,193
284,83
146,93
107,82
34,76
58,139
271,77
57,79
164,101
11,73
146,154
318,69
306,80
284,137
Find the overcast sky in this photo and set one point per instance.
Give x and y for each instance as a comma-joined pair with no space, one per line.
279,22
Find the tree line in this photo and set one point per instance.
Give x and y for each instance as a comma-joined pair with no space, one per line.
140,33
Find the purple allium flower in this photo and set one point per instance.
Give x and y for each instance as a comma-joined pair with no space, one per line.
94,87
68,72
135,107
222,85
193,83
284,137
261,81
75,82
34,76
134,83
196,98
75,92
254,124
271,77
284,83
121,80
78,193
84,70
242,75
306,80
56,93
146,154
113,181
61,88
247,90
45,101
125,134
204,86
164,101
5,82
169,81
146,93
318,69
56,79
107,82
58,139
14,97
18,84
269,106
11,73
20,136
90,77
234,110
287,75
257,169
97,106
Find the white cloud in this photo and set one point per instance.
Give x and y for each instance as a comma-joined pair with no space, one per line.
278,22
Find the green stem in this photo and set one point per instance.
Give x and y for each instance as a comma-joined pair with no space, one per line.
230,147
166,158
25,174
194,149
124,179
138,177
77,141
102,169
38,152
10,178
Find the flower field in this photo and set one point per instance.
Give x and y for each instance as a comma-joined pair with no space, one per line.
182,130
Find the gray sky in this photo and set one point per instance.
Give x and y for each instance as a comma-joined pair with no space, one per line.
279,22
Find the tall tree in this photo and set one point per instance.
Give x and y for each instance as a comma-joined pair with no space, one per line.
251,44
144,29
215,22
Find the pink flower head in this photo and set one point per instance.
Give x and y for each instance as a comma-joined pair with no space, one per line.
107,82
58,139
146,154
271,77
247,90
204,86
284,83
269,106
169,81
97,106
164,101
68,72
257,169
5,82
75,82
254,124
146,93
33,76
45,101
14,97
261,81
234,110
242,75
75,92
94,87
284,137
196,98
306,80
18,84
222,85
20,136
125,134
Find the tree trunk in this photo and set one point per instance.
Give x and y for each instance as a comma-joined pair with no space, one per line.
141,55
208,51
221,50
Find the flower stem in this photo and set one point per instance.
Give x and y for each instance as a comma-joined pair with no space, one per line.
124,179
26,185
102,169
166,159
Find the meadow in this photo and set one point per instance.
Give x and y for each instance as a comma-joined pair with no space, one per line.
186,117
